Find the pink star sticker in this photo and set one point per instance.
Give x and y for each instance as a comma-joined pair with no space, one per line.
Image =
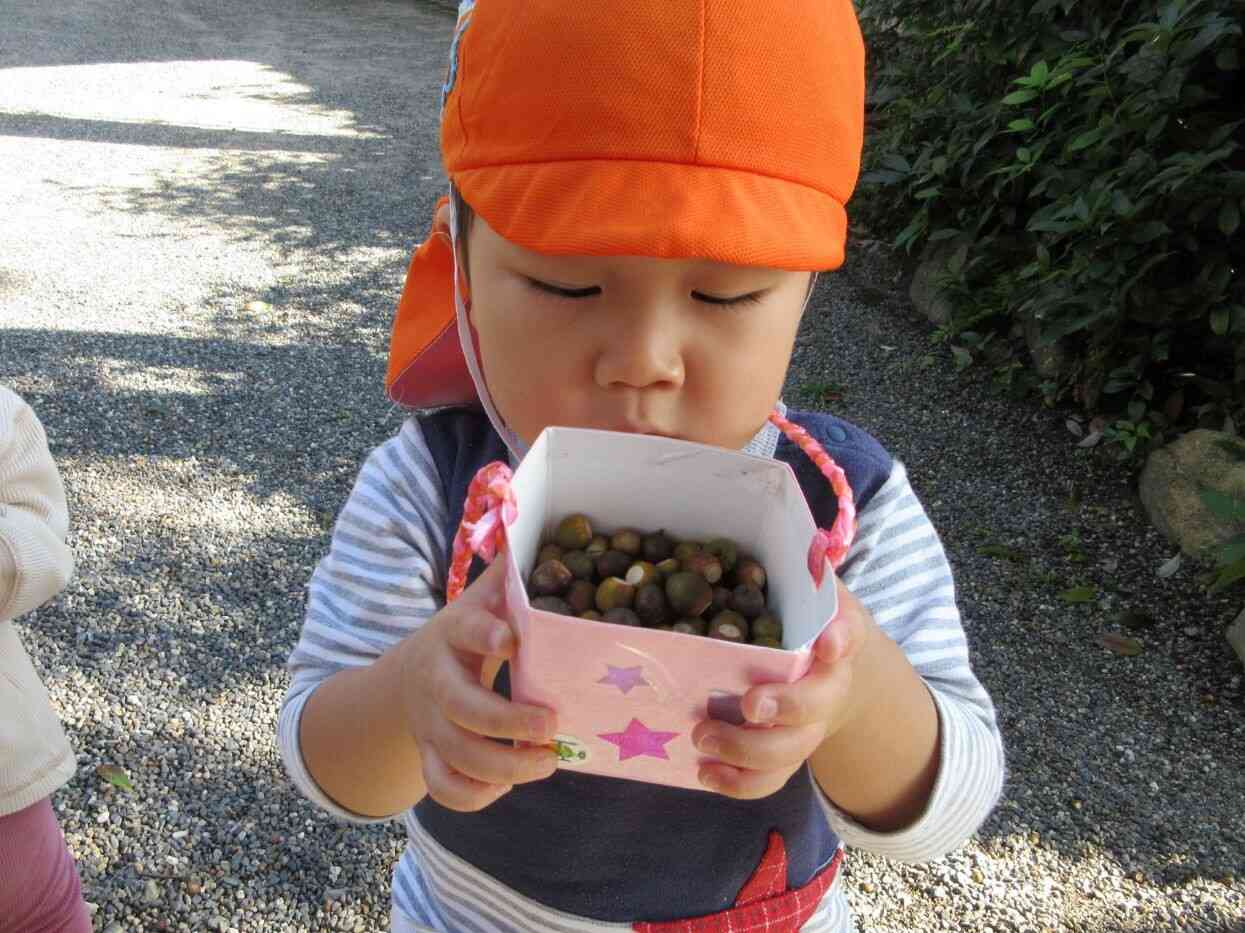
624,678
639,739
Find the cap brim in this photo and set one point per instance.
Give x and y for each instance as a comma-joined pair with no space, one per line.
666,210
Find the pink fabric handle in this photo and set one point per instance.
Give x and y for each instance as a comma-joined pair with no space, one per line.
490,507
829,545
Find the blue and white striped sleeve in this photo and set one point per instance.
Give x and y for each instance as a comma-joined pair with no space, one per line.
897,568
381,579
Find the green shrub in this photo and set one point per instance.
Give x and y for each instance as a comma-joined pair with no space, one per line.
1082,162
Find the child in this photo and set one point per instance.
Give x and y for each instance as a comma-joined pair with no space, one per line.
642,192
39,886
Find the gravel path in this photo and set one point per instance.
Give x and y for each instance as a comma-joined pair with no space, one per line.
207,210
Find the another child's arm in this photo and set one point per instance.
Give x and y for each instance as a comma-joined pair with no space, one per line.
35,563
900,734
386,702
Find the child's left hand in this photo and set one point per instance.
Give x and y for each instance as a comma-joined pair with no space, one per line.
754,760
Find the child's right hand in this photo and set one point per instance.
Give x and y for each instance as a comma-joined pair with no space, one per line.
451,714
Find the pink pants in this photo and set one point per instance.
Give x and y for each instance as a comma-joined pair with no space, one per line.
39,887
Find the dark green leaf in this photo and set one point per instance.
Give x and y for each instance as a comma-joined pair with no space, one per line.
1229,217
1149,231
1227,576
1079,594
1223,505
1019,126
115,776
1232,552
1086,139
1119,644
1019,97
1220,318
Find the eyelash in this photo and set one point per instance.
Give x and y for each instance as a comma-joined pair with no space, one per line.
577,293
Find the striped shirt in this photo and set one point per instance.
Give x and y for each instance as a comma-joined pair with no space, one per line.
384,576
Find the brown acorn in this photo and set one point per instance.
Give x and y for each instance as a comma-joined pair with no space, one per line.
641,573
549,552
729,626
766,641
552,578
627,540
597,546
553,604
656,547
614,593
592,615
767,625
721,600
725,550
581,566
668,566
704,564
747,600
582,596
690,626
621,616
750,572
685,549
689,593
574,532
613,564
650,604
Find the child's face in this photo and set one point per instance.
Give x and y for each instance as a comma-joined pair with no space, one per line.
636,346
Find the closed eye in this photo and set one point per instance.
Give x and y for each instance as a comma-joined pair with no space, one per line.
593,290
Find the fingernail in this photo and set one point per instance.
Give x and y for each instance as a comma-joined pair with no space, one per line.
767,709
708,780
711,744
499,639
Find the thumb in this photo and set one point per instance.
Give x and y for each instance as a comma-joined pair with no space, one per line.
488,590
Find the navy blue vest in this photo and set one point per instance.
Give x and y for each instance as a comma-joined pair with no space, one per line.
618,850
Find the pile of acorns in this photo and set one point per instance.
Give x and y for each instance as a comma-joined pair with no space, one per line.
651,580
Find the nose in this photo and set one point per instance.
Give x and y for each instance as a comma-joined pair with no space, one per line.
643,352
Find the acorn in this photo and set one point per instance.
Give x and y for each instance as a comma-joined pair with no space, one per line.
704,564
656,547
690,626
767,625
614,593
641,573
689,593
592,615
750,572
628,541
552,578
729,626
621,616
549,552
574,532
597,546
581,566
613,564
685,549
721,600
664,627
668,566
650,603
747,600
766,641
553,604
582,596
725,550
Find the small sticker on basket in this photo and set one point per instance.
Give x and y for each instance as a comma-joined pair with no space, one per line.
570,750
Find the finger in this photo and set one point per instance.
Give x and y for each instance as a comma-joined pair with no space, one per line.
744,784
488,590
843,635
453,790
479,632
493,762
785,747
463,701
814,698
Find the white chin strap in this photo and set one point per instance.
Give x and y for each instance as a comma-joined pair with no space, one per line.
517,448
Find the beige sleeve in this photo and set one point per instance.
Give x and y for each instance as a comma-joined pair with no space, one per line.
35,563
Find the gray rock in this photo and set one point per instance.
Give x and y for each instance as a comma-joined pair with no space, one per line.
1171,483
1049,360
927,297
1236,636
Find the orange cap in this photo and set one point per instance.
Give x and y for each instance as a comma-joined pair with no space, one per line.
721,130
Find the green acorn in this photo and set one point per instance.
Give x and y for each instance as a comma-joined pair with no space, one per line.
725,550
747,600
750,572
685,549
641,573
614,593
592,615
689,594
668,567
767,625
613,564
704,564
581,566
547,553
729,626
656,547
582,596
628,541
721,600
574,532
552,578
597,546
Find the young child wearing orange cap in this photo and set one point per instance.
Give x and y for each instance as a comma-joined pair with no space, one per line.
642,192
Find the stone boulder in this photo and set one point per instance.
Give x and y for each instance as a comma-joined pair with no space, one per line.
1171,483
1236,636
926,296
1049,360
